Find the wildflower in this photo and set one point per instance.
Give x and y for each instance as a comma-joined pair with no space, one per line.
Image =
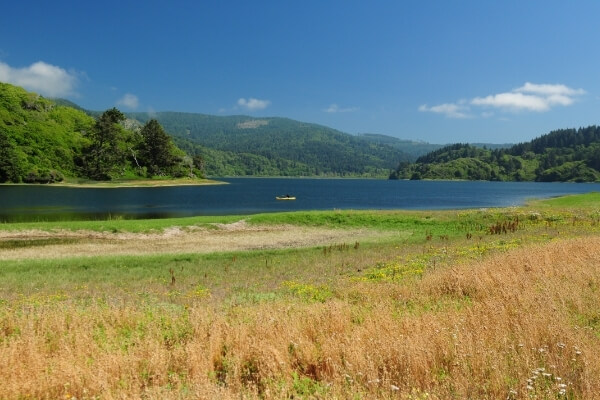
529,387
394,388
561,345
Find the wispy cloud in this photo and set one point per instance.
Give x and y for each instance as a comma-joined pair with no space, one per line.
334,108
253,104
129,100
530,97
450,110
46,79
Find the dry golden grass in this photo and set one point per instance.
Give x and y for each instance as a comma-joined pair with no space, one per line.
520,324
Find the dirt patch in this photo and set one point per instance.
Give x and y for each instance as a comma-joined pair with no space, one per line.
218,238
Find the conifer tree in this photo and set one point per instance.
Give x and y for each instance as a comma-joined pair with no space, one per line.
156,149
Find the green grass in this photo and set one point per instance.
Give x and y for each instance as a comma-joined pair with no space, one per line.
588,200
233,277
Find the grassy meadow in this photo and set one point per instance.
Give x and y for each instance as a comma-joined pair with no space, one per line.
486,304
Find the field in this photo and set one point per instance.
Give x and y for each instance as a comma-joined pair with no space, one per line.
486,304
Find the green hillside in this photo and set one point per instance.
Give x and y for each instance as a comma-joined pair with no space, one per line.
242,145
413,148
39,140
418,148
567,155
45,141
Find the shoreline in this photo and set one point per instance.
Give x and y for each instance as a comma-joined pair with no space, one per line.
123,184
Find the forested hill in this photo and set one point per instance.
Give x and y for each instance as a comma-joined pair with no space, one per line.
242,145
566,155
413,148
45,141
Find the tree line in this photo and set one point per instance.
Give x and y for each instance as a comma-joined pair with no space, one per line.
113,151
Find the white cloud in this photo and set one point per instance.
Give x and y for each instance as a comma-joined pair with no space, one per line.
450,110
334,108
252,104
46,79
129,100
549,90
513,101
529,97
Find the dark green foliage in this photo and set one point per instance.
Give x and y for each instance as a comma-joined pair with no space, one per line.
156,149
569,155
105,156
10,164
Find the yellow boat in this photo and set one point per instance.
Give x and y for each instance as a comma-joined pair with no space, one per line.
286,197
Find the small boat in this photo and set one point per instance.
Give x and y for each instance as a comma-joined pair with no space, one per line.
286,197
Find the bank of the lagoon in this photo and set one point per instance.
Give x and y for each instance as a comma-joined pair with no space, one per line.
125,183
258,195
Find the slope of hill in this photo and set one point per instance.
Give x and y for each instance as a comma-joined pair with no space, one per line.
38,138
413,148
276,146
417,148
567,155
45,141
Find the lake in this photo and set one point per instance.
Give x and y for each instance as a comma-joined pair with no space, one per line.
256,195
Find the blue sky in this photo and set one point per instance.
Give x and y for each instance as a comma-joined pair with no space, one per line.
438,71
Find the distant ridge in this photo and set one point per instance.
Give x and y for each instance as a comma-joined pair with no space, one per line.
244,145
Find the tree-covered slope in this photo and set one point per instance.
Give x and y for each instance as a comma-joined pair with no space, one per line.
39,140
280,146
418,148
412,148
567,155
44,141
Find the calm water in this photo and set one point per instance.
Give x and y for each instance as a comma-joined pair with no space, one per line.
254,195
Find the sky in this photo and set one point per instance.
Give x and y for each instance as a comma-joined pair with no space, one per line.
437,71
